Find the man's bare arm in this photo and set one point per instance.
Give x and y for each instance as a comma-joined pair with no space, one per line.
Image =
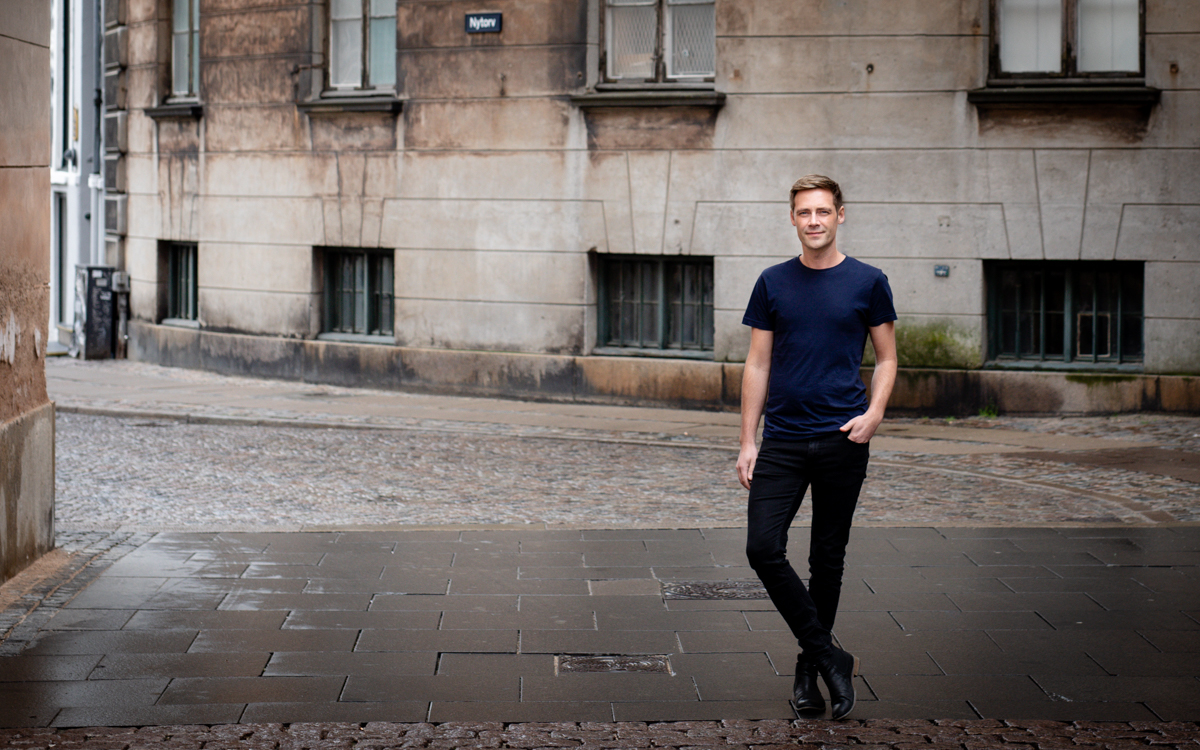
755,380
862,428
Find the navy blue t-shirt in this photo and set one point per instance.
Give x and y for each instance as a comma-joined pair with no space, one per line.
820,320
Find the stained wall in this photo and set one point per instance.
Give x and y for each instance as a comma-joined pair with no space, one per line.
26,415
497,189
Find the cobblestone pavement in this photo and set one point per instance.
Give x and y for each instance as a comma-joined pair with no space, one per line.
759,735
138,474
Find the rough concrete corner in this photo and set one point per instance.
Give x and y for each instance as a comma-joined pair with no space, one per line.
26,489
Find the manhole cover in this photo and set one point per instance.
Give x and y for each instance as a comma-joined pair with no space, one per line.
612,663
713,590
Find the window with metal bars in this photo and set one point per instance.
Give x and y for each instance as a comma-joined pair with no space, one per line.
362,44
1065,312
185,48
1067,38
359,292
656,303
182,286
659,40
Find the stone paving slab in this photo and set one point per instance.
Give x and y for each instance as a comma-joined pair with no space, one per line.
487,644
967,624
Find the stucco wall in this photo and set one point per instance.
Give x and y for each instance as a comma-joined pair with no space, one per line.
26,416
493,187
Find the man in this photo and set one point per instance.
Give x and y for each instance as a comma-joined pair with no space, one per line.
810,318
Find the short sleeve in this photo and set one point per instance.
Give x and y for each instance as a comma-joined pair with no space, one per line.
758,311
882,310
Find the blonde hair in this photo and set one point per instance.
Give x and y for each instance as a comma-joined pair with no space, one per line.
816,182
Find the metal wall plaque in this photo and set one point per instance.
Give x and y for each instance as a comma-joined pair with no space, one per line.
484,23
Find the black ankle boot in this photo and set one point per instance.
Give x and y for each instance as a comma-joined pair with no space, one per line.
838,670
806,695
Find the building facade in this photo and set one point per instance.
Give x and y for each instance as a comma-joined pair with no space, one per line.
77,164
573,198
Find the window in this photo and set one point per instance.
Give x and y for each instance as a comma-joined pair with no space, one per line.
657,303
1067,38
659,40
362,44
359,290
64,270
66,119
1045,311
181,281
185,48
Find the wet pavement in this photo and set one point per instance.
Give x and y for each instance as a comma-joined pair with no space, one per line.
256,556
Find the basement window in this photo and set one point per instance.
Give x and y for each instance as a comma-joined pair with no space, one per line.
1048,313
359,288
656,306
180,259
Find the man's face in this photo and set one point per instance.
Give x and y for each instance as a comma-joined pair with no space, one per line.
815,219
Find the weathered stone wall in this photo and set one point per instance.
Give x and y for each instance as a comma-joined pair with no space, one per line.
26,416
494,188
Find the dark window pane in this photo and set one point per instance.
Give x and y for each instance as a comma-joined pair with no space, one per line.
1104,332
629,303
1008,313
1085,307
612,285
1054,305
380,294
1054,335
706,324
1085,335
649,303
1131,292
360,293
181,281
674,284
1030,316
1131,337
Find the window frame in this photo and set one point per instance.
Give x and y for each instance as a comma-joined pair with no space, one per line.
606,343
365,84
659,61
1071,358
193,35
332,325
183,287
1068,73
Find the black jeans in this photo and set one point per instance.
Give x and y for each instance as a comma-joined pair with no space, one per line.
834,467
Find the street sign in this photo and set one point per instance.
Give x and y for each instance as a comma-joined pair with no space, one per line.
484,23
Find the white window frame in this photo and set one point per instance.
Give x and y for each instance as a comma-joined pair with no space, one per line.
192,91
364,80
1068,69
661,57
